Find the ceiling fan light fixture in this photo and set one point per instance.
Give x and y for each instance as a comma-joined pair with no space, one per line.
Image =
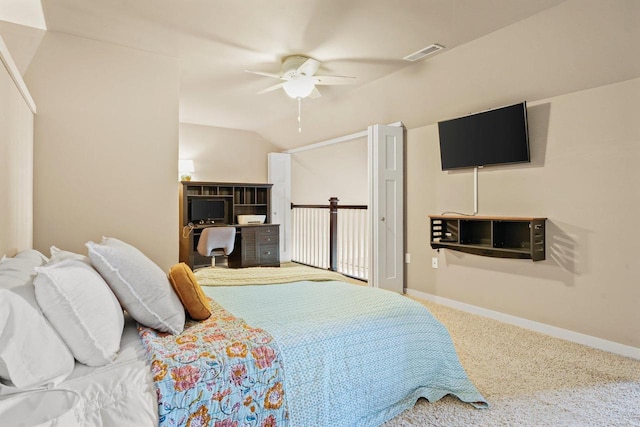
299,86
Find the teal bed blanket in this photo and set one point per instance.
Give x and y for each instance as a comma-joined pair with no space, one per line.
352,355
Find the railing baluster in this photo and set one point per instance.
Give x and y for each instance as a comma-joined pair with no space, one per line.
352,244
307,241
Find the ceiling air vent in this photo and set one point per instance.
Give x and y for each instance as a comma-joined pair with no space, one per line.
429,50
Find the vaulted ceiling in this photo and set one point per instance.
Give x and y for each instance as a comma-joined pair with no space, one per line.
216,40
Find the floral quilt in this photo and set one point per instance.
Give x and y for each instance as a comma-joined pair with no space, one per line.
219,372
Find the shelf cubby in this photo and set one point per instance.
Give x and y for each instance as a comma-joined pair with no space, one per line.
502,237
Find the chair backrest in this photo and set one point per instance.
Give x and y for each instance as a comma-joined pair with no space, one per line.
217,237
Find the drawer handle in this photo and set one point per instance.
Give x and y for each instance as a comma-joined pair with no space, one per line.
267,253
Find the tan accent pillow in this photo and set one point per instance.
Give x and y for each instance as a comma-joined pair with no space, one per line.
186,286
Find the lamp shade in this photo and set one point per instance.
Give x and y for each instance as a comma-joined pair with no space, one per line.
185,166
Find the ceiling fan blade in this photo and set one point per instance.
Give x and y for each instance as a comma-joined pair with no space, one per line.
335,80
271,88
308,67
315,93
262,73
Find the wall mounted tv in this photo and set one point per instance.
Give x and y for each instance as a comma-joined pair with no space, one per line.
208,209
491,137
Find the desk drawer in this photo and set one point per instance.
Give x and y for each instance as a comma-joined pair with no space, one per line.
268,231
266,239
269,253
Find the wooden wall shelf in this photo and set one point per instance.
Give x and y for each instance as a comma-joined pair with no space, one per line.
501,237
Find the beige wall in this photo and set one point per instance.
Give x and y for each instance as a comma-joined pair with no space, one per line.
227,155
106,146
16,167
584,177
338,170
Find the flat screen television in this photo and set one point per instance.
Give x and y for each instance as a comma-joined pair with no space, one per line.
491,137
207,209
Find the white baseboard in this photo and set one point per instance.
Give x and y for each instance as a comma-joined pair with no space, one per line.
599,343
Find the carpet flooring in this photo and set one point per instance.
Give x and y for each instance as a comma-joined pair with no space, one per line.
530,379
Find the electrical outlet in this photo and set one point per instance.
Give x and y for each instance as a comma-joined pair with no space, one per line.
434,262
407,258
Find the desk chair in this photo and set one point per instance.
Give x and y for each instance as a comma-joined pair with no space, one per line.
216,241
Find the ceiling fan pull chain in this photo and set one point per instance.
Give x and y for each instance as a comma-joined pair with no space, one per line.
299,115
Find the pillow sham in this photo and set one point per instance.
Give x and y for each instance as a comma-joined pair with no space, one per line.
186,286
81,307
140,285
32,354
19,270
58,254
27,256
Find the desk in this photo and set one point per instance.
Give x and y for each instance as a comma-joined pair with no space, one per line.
256,245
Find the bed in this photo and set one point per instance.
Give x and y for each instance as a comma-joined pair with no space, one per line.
279,348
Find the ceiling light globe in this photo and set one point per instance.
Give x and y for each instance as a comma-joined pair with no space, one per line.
299,86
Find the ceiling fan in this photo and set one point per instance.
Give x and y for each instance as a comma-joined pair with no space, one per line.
299,79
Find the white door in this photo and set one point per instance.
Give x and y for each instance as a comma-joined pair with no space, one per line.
280,177
386,203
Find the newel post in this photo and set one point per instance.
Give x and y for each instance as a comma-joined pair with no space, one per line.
333,233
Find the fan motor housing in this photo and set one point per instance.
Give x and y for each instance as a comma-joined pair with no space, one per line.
290,64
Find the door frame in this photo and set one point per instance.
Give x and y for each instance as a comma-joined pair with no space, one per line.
373,261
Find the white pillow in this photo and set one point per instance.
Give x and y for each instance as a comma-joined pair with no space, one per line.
28,255
19,270
141,286
79,304
59,255
32,354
